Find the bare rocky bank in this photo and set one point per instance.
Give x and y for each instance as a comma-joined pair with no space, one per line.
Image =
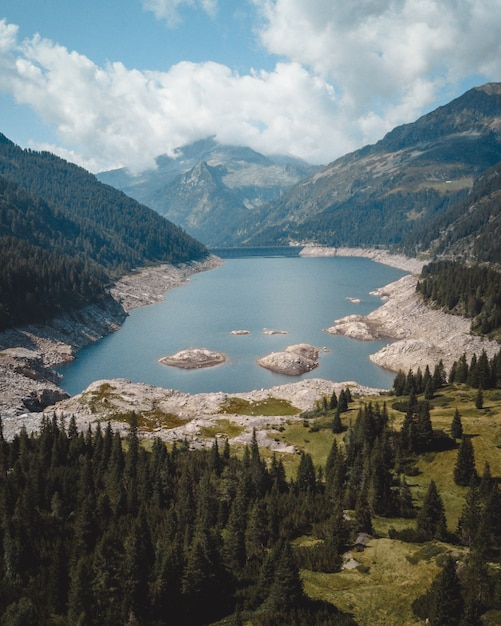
419,335
28,382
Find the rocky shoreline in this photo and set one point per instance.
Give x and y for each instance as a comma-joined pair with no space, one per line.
28,383
419,335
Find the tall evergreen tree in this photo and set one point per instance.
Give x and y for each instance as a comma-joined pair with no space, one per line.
287,588
464,470
446,597
470,517
456,425
431,521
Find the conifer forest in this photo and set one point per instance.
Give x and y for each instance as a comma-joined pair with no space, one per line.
97,528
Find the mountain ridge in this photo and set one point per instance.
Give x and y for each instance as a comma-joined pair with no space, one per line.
64,236
376,195
242,180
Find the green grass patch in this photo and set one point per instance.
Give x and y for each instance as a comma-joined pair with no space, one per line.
382,589
97,400
222,427
270,406
156,418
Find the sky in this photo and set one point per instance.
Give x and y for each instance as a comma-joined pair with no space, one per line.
115,83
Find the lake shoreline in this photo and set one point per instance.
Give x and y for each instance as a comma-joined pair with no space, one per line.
28,376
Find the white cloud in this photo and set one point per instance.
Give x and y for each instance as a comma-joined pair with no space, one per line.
168,10
351,71
387,58
112,115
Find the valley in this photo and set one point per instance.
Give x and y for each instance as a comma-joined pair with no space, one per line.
312,501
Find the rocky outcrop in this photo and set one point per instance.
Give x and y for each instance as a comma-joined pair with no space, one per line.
355,327
174,415
422,335
194,358
293,361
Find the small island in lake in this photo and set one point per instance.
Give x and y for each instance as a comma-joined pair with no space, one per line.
194,358
293,361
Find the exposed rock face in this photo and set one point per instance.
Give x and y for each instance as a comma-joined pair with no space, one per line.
213,191
423,336
355,327
293,361
194,358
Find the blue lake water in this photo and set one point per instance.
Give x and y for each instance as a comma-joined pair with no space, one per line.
300,295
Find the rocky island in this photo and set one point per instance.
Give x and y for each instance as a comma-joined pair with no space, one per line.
293,361
194,358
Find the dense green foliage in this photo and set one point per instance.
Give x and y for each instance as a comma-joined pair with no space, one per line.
116,231
36,285
95,530
473,291
64,236
479,373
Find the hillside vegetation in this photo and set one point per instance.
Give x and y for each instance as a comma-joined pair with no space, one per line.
396,494
64,236
381,194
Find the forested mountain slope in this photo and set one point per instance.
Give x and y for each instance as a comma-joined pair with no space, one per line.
211,190
64,236
381,194
471,229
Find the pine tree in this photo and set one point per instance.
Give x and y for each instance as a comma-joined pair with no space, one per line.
431,520
287,589
456,426
464,470
333,400
306,478
404,500
337,426
429,392
470,517
342,403
479,399
80,599
446,597
363,519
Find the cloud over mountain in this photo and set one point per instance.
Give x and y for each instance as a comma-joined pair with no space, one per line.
344,75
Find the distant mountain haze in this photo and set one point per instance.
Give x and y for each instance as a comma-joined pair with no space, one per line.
433,186
212,191
381,195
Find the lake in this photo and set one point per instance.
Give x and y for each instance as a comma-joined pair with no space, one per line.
299,295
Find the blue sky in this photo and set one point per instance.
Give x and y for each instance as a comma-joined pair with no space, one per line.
110,83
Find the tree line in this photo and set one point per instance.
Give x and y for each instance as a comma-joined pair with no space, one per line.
472,291
100,529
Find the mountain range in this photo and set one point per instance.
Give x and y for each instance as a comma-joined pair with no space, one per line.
211,190
388,194
433,186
